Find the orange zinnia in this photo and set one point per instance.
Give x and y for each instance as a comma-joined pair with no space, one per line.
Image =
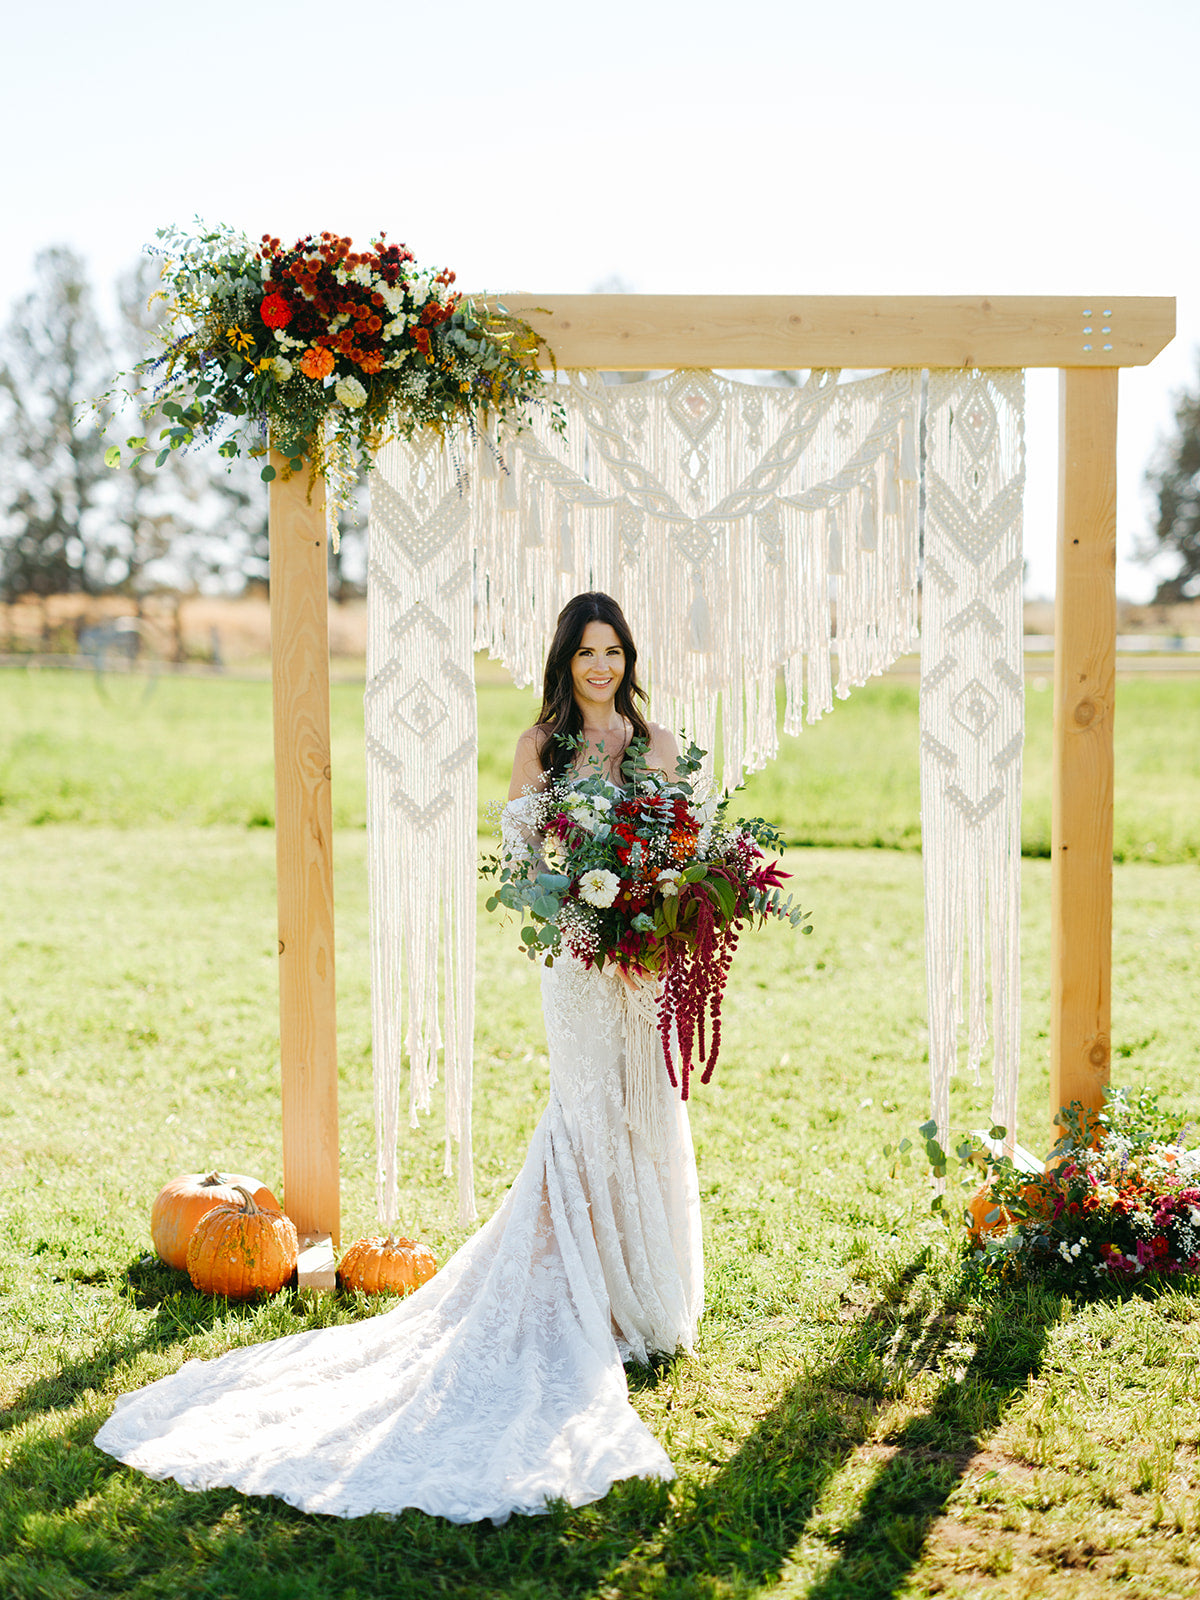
372,361
316,363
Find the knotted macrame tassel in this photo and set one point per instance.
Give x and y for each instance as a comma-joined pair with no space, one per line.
645,1068
699,621
868,538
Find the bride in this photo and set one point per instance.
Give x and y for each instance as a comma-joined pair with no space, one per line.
499,1384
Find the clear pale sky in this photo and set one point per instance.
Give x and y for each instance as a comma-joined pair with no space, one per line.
1039,146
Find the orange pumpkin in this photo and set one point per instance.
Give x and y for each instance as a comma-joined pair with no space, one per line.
182,1202
242,1250
981,1206
386,1266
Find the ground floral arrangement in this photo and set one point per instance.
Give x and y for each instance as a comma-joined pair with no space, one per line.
1118,1203
322,351
651,877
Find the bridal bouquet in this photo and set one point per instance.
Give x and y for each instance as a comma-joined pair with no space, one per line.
328,348
652,878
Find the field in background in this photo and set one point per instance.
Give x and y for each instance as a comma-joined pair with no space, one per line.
132,751
236,633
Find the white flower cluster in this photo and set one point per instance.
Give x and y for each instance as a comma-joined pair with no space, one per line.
577,925
351,393
599,887
588,811
1071,1252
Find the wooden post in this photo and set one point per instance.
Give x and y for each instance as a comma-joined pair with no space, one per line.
304,857
1085,637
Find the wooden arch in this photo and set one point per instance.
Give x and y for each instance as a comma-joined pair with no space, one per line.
1087,339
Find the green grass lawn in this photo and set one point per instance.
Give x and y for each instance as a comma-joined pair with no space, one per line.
856,1421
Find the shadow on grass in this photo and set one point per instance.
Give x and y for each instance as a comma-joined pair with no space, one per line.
180,1313
741,1527
733,1533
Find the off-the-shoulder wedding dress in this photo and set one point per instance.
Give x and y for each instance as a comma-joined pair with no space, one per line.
499,1384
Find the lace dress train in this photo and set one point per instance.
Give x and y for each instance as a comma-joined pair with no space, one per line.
499,1383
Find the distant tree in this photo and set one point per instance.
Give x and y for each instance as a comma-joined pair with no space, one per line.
1174,478
55,512
198,522
156,508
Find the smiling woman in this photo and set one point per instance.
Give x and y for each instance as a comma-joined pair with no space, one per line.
590,696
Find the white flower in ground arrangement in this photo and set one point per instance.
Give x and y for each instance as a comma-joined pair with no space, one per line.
598,887
601,803
668,881
350,392
281,369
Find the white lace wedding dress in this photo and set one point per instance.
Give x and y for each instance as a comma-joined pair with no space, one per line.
499,1384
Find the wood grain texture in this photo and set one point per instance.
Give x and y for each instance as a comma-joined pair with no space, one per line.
627,332
1085,638
304,853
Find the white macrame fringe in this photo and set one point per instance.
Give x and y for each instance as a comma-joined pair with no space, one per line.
421,800
748,533
972,727
744,530
645,1066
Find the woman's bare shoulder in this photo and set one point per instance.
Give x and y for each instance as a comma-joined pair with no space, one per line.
664,749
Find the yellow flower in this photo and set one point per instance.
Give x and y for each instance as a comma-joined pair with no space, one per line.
239,340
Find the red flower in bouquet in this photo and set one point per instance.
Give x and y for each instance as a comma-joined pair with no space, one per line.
276,312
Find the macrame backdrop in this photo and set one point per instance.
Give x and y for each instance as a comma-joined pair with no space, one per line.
744,529
421,799
748,532
973,724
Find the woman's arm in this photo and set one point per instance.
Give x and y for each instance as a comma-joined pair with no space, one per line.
528,772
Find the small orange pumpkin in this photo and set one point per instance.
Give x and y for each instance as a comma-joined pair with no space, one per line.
386,1266
182,1202
242,1250
981,1206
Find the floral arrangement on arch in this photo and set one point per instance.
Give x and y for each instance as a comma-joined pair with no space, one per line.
1117,1204
650,878
322,351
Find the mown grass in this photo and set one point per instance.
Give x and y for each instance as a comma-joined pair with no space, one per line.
856,1421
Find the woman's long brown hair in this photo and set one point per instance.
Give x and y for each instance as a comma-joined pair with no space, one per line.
560,716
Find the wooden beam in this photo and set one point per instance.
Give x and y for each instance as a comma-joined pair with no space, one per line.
1085,640
629,332
304,852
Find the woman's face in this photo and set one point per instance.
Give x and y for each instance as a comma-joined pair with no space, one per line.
597,666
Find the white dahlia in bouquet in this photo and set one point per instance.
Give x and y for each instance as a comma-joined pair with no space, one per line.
651,877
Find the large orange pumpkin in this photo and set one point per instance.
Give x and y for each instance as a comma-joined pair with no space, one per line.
386,1266
242,1250
182,1202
